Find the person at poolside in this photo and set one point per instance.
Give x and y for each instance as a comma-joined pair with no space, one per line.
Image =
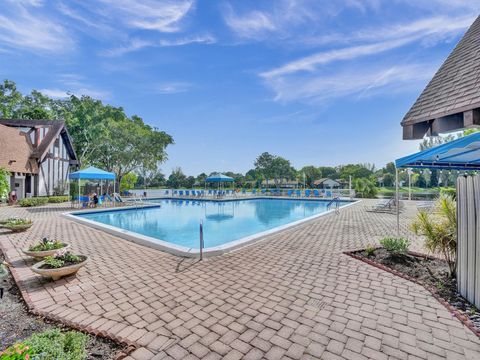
95,199
12,198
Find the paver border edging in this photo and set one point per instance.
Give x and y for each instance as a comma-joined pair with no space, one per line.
130,346
463,319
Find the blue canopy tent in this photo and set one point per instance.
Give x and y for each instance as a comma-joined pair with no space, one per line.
219,179
460,154
92,173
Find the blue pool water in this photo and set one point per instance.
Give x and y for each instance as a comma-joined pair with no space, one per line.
177,221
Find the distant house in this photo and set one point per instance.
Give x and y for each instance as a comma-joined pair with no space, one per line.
39,154
326,183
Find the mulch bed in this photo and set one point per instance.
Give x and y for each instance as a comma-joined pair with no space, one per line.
16,323
429,272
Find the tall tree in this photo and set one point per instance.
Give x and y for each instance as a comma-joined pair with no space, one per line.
311,174
263,165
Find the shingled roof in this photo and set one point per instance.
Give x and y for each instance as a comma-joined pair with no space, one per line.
16,151
56,127
454,88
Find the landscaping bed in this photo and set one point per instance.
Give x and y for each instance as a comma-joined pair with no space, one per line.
432,273
17,324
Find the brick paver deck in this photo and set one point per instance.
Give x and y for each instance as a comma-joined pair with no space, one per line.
293,295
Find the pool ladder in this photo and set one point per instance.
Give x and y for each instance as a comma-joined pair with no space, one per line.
335,201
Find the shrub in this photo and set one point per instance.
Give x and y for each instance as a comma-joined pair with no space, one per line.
19,351
452,192
16,221
50,344
440,229
61,258
4,183
57,199
370,250
34,201
395,246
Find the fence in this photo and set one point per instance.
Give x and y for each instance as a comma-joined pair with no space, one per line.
468,240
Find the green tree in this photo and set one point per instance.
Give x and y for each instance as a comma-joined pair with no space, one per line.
10,99
365,188
128,181
264,165
4,183
176,179
311,174
281,169
328,172
434,178
189,182
388,179
356,171
103,135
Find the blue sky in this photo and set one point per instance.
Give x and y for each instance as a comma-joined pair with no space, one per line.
317,82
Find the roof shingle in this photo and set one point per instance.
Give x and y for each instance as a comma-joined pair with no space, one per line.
16,151
455,86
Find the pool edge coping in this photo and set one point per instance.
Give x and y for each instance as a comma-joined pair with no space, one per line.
184,251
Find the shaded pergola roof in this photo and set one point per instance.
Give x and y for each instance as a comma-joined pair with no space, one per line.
92,173
451,100
460,154
215,178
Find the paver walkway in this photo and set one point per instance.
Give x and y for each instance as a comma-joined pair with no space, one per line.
293,295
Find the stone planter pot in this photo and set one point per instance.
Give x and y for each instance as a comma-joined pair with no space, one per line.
42,254
56,274
17,228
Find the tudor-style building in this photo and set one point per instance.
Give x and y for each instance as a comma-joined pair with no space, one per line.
39,154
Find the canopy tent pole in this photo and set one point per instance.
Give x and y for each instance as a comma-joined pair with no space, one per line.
409,184
79,191
114,181
397,201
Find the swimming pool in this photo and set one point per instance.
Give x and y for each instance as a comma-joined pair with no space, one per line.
175,223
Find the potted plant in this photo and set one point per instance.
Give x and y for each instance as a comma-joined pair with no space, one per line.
63,263
17,224
45,247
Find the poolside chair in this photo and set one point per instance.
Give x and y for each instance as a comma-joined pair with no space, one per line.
307,193
385,206
290,193
316,193
254,192
244,192
165,192
180,192
264,191
117,197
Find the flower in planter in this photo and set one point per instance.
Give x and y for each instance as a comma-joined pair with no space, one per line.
46,244
62,258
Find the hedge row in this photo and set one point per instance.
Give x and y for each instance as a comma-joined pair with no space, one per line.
37,201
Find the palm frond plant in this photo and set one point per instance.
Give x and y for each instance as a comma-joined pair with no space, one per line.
439,228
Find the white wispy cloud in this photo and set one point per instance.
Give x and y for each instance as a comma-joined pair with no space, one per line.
75,84
172,87
23,28
159,15
311,62
361,82
138,44
250,25
58,93
424,30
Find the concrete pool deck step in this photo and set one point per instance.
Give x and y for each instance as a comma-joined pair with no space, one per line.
292,296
